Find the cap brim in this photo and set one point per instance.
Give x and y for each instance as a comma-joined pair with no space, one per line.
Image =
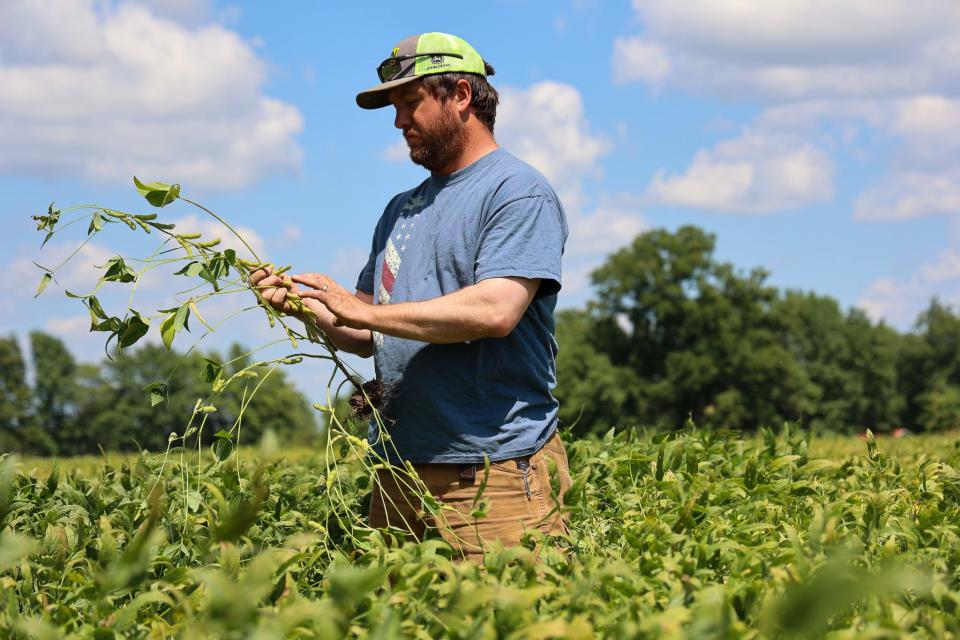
378,97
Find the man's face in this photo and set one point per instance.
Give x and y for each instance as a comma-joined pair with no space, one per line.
432,128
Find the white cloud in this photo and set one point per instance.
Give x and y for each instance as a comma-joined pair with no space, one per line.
106,92
911,194
546,126
894,301
899,301
824,69
605,229
595,235
69,327
638,59
947,267
925,176
290,234
758,172
796,48
187,11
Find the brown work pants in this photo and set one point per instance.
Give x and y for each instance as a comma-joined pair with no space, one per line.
518,492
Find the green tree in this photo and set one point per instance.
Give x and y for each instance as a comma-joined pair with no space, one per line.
696,333
876,402
14,394
54,388
849,362
595,394
929,370
18,429
120,416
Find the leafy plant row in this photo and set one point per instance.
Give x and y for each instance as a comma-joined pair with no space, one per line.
696,534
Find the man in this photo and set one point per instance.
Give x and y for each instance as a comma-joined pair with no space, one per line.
456,306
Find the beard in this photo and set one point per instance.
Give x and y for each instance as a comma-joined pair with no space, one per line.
437,145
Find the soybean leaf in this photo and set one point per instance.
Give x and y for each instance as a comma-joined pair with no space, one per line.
96,223
212,371
222,448
99,320
94,305
240,516
158,194
44,281
209,277
157,391
132,330
192,269
173,323
8,477
113,325
118,271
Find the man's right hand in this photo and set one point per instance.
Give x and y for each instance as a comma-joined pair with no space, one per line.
274,290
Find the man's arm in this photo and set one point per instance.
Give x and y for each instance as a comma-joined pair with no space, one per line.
488,309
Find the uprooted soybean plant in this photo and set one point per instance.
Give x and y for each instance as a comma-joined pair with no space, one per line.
694,533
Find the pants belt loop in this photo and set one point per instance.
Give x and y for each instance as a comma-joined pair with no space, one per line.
468,474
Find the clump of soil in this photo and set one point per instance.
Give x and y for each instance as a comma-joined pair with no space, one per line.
375,391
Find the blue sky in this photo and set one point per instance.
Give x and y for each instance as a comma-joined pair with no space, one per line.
818,140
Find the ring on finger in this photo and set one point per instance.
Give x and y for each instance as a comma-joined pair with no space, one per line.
324,288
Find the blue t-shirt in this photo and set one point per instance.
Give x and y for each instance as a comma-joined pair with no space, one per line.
453,403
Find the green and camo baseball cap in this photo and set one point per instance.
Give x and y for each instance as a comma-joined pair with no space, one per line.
418,56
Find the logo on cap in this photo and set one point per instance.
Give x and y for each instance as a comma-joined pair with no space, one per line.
396,50
436,59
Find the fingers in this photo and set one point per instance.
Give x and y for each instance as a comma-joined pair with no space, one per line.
260,274
312,280
278,298
269,282
274,289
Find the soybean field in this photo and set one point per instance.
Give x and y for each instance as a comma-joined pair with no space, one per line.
690,534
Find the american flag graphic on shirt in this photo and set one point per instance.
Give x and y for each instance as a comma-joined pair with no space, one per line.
396,245
388,274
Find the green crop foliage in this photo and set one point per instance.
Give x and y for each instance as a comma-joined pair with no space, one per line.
737,538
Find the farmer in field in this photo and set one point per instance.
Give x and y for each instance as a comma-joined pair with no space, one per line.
456,305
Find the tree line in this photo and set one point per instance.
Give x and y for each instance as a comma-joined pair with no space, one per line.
671,335
77,408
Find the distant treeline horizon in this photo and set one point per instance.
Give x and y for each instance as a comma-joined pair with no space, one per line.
671,336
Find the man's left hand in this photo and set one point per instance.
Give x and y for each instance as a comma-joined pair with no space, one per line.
346,308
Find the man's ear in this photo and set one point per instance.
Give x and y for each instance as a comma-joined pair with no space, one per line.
463,95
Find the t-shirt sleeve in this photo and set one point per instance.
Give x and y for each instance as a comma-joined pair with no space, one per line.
365,279
523,238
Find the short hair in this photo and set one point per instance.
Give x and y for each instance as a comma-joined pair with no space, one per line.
484,99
